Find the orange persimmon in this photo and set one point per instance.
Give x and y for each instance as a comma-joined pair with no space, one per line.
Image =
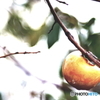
79,72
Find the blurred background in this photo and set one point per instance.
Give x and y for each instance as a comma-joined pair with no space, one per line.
25,26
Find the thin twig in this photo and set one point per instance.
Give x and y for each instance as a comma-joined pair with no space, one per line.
62,2
87,54
9,54
14,59
16,62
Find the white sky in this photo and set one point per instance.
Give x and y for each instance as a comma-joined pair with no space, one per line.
44,65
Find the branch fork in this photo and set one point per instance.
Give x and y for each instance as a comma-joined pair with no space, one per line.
90,56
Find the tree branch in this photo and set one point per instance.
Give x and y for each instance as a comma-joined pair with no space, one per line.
87,54
15,61
19,53
96,0
9,54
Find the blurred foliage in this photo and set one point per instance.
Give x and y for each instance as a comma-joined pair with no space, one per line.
17,27
1,97
28,5
60,72
33,38
66,96
94,42
88,24
65,87
49,97
69,20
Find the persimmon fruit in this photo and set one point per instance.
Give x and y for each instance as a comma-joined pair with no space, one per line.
79,72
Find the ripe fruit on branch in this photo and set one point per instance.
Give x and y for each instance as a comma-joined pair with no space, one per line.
79,72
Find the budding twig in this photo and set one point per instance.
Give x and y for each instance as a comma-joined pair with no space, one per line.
87,54
9,54
15,60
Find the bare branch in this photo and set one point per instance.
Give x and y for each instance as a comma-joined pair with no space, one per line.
16,62
96,0
87,54
9,54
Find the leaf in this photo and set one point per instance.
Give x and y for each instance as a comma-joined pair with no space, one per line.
66,96
69,97
30,3
88,24
94,44
69,20
1,97
60,73
65,87
83,41
53,36
27,5
16,27
33,38
49,97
